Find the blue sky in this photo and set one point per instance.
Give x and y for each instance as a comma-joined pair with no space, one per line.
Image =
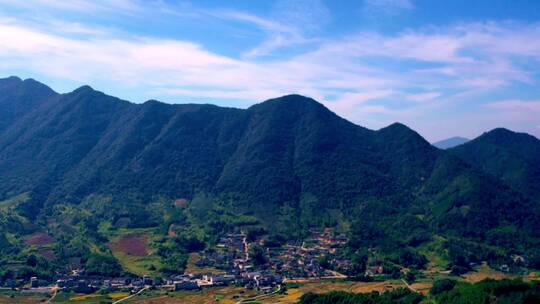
444,68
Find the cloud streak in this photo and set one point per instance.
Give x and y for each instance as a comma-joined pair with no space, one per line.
411,72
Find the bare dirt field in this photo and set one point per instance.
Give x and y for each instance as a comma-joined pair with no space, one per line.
132,244
39,239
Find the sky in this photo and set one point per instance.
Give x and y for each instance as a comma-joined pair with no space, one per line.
444,68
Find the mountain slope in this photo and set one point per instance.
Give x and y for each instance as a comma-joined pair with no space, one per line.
286,164
19,98
511,157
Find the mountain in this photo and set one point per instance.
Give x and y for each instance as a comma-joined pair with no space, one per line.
450,142
20,97
512,157
86,142
74,163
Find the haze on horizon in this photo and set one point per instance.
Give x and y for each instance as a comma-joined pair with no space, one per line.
452,68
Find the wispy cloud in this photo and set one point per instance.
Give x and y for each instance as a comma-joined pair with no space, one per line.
360,75
86,6
516,105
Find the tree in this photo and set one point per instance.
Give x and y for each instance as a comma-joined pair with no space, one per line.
31,260
441,286
258,256
103,265
359,261
410,277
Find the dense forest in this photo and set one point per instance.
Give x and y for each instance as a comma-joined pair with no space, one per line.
72,165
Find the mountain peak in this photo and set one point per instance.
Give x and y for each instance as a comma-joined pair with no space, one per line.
11,79
398,132
291,100
505,136
398,128
28,86
500,131
84,89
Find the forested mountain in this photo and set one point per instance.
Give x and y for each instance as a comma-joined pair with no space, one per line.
512,157
286,165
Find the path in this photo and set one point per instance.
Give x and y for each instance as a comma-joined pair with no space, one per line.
131,296
55,292
408,286
246,249
255,299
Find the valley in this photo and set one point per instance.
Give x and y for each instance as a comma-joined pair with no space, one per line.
101,199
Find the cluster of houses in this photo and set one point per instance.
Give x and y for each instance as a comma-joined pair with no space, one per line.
80,283
231,258
262,281
292,260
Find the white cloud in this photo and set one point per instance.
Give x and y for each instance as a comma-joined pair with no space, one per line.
350,100
85,6
354,75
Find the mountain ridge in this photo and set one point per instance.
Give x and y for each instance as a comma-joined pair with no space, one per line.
82,160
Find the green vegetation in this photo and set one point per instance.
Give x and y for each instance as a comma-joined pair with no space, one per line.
443,291
85,168
488,291
403,296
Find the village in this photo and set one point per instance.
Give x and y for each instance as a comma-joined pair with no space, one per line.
233,262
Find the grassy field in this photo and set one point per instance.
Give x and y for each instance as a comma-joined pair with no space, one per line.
224,295
9,297
14,201
132,249
484,271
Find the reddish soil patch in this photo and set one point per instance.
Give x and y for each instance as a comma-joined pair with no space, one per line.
181,202
39,239
132,244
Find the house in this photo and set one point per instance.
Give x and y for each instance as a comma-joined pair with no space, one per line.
185,285
266,289
147,280
118,282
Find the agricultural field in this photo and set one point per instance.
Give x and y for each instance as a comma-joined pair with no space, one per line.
39,239
224,295
133,250
9,297
231,295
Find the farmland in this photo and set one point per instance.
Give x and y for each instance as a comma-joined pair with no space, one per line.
133,251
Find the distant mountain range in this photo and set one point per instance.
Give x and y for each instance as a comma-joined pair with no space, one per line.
450,142
289,163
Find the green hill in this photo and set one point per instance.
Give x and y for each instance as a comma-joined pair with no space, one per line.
88,161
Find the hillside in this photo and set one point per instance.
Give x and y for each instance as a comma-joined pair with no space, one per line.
89,164
512,157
